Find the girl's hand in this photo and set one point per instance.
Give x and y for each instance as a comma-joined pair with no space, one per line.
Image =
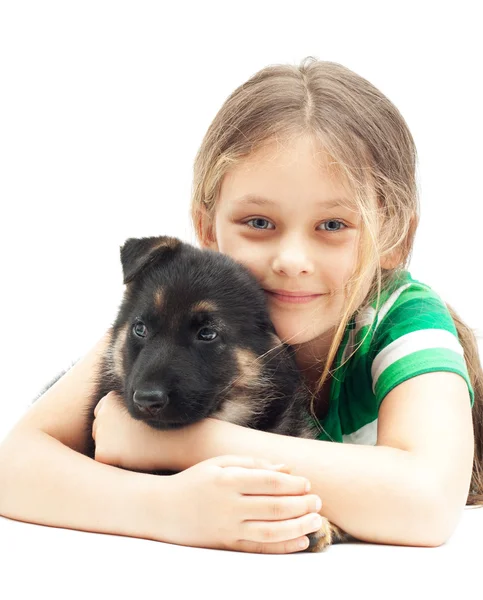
240,503
121,440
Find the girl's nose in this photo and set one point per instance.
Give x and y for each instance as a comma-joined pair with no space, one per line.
292,260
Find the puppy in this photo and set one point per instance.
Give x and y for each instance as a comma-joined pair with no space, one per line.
193,339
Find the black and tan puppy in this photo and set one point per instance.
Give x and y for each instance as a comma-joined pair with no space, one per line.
193,339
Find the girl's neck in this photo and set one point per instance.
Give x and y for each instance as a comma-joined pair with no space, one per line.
311,358
312,377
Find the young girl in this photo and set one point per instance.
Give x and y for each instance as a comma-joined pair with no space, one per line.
306,176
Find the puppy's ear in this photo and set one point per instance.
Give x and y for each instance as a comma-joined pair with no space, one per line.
137,254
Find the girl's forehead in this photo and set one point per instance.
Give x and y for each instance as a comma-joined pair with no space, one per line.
290,152
277,170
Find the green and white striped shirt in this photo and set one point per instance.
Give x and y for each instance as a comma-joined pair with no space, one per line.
412,333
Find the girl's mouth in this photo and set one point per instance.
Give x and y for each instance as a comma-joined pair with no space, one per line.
293,299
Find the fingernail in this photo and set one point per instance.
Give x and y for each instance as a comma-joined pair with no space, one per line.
318,504
317,521
308,486
303,543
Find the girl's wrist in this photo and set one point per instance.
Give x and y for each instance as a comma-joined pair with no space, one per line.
166,449
171,449
149,455
156,501
196,443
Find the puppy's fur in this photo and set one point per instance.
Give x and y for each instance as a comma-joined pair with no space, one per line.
193,339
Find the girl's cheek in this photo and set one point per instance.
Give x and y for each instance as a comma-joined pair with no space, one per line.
233,244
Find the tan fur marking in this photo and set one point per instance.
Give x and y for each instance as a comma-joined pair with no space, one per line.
327,534
167,242
158,299
237,410
239,407
117,352
248,368
204,306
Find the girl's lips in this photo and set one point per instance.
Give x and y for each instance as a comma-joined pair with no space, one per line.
292,299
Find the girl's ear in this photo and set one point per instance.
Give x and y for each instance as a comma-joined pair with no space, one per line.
400,254
392,260
209,245
205,229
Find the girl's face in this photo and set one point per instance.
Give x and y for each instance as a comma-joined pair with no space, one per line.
280,213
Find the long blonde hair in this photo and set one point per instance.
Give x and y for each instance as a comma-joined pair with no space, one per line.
370,147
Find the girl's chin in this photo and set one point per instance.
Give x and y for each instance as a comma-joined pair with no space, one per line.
295,337
296,334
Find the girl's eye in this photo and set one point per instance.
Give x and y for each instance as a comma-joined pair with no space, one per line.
206,334
334,225
258,223
140,329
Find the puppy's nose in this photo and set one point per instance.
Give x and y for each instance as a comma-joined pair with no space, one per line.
150,402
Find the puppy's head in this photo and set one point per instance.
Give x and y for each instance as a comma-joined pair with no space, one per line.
190,328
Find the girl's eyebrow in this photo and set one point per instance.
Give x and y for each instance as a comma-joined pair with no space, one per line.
261,201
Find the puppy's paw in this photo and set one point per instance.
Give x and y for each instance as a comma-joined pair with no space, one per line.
328,534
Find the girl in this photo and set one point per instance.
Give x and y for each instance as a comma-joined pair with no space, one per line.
306,176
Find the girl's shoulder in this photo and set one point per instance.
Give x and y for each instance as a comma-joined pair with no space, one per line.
404,305
408,305
408,332
413,333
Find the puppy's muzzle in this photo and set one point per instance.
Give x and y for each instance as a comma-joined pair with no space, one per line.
150,402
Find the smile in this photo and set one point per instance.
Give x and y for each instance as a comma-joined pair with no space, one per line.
292,299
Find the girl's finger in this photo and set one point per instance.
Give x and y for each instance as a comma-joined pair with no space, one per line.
247,462
278,508
280,531
266,482
287,547
94,429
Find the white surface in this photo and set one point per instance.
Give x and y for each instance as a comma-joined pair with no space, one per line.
47,562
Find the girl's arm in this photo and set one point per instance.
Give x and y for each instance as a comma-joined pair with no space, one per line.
43,481
224,503
409,489
45,478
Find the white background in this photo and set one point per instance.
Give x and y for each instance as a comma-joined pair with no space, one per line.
103,106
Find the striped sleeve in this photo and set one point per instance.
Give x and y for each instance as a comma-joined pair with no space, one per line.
416,335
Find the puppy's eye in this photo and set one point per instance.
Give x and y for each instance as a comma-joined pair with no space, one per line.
206,334
140,329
